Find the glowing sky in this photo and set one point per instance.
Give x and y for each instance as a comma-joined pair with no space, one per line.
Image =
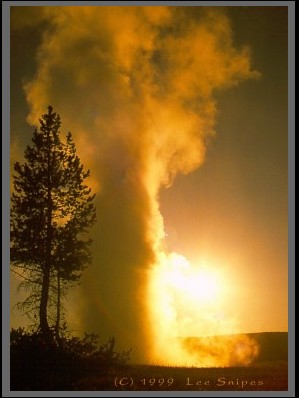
181,115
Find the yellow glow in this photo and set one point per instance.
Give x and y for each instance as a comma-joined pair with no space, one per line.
189,301
197,284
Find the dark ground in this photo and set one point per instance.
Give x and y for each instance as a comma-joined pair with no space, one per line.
267,377
33,369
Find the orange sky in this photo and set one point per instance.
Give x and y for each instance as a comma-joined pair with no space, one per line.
181,115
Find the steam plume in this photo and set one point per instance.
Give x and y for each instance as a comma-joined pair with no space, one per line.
136,86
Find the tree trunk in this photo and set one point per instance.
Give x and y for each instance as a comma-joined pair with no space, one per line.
58,304
43,318
44,326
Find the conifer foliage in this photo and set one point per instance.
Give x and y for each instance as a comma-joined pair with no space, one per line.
51,212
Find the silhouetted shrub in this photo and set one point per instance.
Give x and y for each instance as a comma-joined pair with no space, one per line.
37,365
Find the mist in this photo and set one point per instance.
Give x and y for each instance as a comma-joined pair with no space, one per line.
137,87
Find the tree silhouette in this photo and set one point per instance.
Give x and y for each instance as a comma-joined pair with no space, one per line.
51,211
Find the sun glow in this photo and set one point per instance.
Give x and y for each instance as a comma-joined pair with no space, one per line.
199,283
186,301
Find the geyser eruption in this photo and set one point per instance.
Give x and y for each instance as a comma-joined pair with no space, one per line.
186,301
139,87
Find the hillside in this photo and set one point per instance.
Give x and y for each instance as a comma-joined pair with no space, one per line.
265,347
35,366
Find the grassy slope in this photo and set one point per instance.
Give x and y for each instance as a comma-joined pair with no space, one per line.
40,368
268,373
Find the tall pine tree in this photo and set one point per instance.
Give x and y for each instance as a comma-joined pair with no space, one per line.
51,211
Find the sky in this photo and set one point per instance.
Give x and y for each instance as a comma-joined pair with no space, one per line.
180,113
